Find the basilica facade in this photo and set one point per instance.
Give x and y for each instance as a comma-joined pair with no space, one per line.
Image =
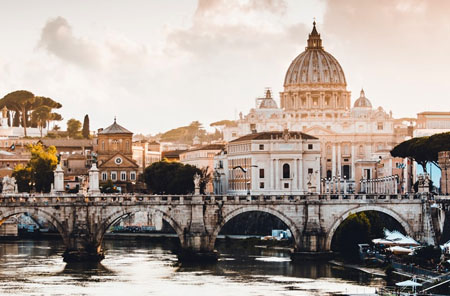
315,101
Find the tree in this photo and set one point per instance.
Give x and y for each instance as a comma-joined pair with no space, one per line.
353,231
73,128
20,101
85,130
23,102
423,149
40,116
172,178
39,170
16,119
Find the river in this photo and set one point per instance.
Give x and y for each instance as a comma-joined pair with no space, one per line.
142,267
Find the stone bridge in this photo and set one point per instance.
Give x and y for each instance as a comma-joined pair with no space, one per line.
82,220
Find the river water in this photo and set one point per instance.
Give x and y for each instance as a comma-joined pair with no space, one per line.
35,267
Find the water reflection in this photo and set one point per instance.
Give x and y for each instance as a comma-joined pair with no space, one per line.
138,267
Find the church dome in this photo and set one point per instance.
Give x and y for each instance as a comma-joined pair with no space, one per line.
362,101
314,66
267,102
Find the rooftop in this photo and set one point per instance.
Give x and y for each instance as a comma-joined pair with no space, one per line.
274,135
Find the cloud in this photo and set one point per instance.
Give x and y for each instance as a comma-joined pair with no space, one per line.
395,49
58,39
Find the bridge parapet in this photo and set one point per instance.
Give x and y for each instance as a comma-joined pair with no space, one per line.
129,199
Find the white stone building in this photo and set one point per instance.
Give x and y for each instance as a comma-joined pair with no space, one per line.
315,101
202,158
285,163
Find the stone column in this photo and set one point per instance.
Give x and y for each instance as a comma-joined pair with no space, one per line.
333,161
300,175
58,179
353,164
277,174
295,177
93,180
271,168
339,160
395,185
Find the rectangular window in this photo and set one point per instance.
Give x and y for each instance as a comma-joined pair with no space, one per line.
380,126
286,185
310,146
261,146
113,176
123,176
261,173
261,185
310,171
133,176
104,176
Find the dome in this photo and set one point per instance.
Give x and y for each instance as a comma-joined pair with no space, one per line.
362,101
314,65
267,102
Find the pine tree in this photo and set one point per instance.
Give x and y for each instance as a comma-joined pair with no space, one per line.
16,120
85,130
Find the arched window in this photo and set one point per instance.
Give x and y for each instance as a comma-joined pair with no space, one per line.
127,146
329,174
286,171
103,145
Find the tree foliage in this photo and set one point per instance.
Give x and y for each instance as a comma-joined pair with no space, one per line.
73,128
173,178
226,123
85,129
423,149
38,173
186,134
23,103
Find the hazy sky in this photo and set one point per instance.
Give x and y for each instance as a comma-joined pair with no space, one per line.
157,65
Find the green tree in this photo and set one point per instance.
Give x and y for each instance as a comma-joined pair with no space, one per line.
85,130
16,119
73,128
39,170
172,178
423,149
19,101
41,116
353,231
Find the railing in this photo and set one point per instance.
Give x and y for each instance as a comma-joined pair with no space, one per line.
46,199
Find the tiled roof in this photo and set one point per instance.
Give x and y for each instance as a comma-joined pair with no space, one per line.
115,129
274,135
67,142
208,147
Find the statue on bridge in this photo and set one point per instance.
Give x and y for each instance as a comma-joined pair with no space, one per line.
197,184
9,185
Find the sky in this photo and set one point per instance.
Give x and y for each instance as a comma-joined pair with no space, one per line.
158,65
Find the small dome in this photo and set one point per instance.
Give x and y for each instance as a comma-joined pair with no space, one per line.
267,102
314,66
362,101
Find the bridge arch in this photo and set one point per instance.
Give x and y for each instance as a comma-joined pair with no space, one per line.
35,213
117,215
244,209
384,210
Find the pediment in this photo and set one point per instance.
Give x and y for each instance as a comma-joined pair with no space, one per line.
317,130
114,162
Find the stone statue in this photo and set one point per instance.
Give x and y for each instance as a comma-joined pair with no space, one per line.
9,185
197,181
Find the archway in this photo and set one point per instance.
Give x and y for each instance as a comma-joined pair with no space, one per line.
35,214
331,232
296,234
120,214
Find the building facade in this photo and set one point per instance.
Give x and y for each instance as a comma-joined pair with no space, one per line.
115,156
316,101
285,162
145,153
202,158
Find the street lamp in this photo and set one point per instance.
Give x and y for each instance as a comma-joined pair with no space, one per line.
244,170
